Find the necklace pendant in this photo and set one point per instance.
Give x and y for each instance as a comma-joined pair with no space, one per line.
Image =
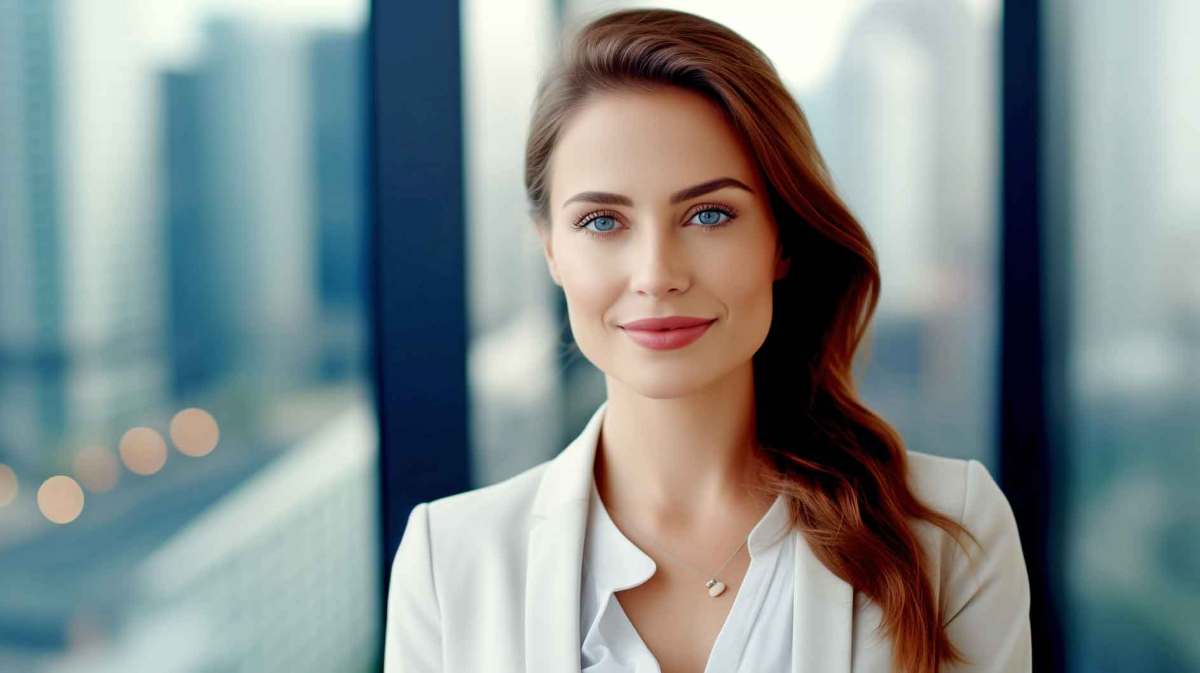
715,587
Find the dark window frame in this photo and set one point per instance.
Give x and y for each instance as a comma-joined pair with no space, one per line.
1031,377
417,261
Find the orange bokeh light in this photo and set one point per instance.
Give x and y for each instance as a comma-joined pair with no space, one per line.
97,468
195,432
60,499
143,451
8,485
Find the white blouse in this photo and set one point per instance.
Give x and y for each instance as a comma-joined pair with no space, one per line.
756,635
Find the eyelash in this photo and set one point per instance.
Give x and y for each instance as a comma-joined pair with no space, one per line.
586,219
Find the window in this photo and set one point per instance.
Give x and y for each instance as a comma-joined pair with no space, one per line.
1124,152
187,445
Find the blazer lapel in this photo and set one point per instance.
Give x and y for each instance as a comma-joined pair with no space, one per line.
554,556
823,613
823,603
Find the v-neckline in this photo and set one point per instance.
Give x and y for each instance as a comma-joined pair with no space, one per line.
716,649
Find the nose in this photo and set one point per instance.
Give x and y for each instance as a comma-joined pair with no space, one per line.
661,265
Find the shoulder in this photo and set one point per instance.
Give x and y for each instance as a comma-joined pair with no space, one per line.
459,546
486,525
966,492
503,505
939,482
961,489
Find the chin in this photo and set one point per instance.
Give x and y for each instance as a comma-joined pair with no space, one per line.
668,380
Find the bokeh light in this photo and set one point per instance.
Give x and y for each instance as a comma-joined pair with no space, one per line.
60,499
97,468
195,432
8,485
143,451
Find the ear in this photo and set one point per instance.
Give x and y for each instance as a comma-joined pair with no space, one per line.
548,251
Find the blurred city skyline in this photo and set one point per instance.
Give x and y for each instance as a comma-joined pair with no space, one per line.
177,233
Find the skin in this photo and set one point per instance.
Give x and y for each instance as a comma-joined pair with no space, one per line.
676,449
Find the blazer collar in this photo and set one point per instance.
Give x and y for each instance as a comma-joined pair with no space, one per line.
823,603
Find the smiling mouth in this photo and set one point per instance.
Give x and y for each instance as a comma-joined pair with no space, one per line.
666,323
668,339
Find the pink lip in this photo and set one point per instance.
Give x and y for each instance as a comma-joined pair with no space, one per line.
667,333
669,322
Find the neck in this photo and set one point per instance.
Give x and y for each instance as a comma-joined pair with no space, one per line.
680,460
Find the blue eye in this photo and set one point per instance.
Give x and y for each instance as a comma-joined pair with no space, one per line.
711,217
603,223
606,223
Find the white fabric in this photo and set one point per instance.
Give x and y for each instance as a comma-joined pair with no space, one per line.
756,635
490,579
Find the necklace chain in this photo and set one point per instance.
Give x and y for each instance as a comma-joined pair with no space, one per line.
712,580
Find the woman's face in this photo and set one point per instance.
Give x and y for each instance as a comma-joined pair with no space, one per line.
648,245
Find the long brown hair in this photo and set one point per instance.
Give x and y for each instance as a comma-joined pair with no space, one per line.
844,466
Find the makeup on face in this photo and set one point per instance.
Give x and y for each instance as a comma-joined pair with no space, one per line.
666,333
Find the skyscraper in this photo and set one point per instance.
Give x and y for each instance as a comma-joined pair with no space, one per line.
80,342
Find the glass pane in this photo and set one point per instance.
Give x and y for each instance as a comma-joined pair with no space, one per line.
901,99
187,451
1125,148
513,359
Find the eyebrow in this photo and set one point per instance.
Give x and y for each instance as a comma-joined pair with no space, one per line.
681,195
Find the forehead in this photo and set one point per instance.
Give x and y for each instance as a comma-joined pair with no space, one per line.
646,145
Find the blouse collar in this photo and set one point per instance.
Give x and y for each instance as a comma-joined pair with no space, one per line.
616,563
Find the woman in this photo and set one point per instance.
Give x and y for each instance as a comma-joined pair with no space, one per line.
732,506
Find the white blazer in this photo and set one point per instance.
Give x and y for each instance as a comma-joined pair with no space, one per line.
489,579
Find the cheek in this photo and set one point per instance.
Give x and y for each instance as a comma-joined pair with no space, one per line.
588,300
744,273
590,289
749,294
744,281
